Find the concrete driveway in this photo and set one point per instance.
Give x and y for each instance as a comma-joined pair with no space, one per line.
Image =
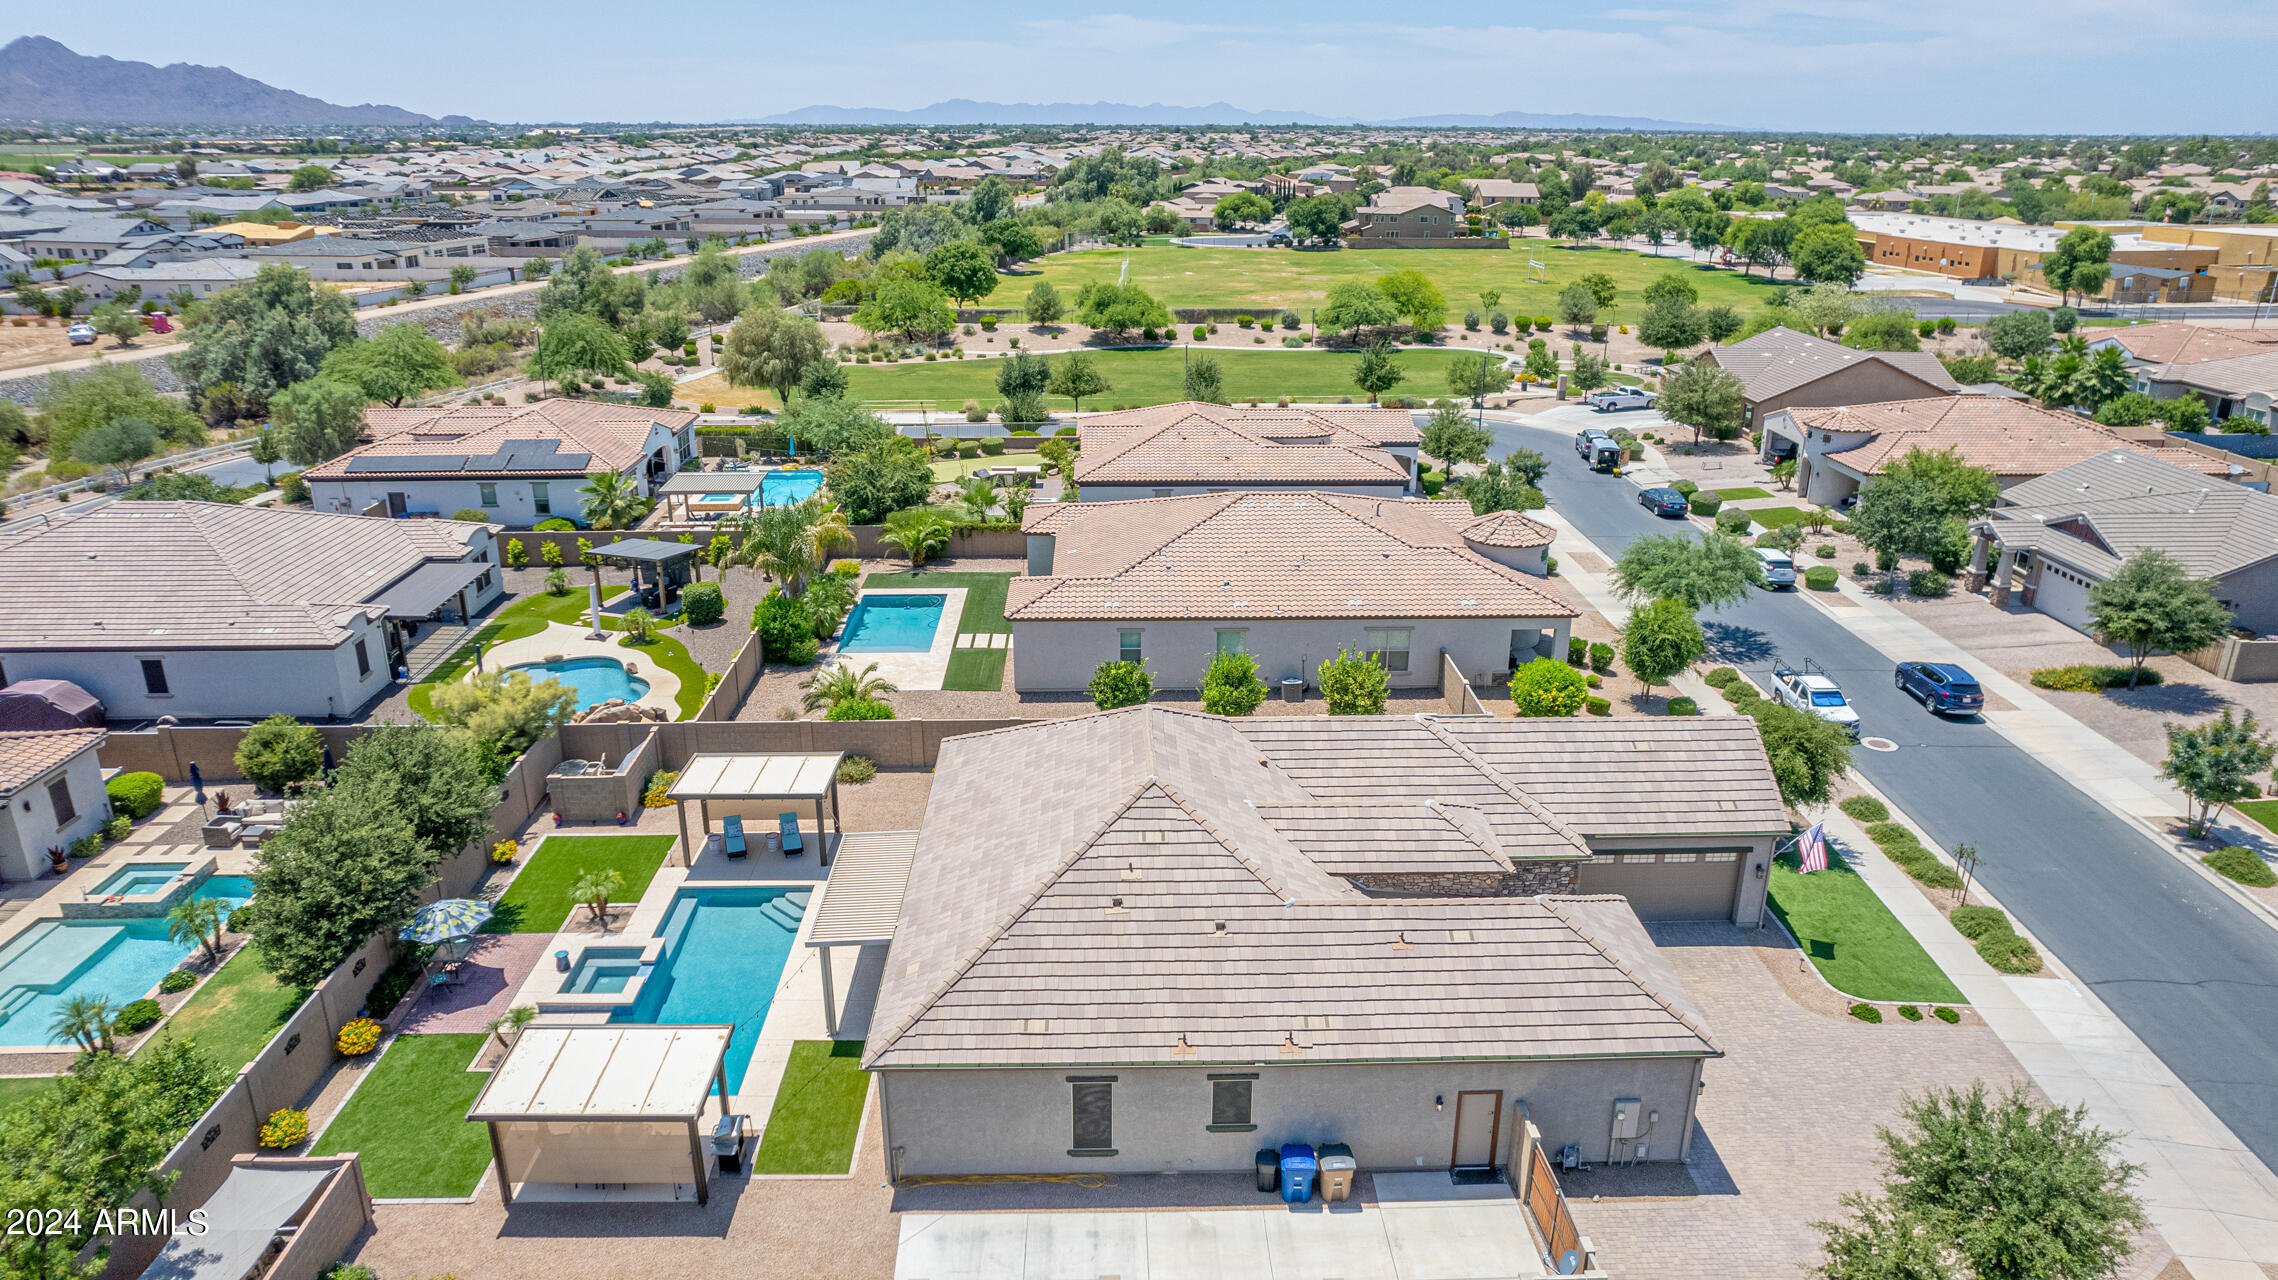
1416,1227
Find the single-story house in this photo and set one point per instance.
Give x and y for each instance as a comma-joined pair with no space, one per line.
1289,578
1185,937
2241,386
2073,528
52,787
1841,448
208,611
203,277
1176,449
518,464
1781,369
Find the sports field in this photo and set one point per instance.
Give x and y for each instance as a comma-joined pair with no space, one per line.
1156,376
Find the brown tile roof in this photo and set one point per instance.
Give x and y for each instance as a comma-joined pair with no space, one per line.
172,575
2013,437
1194,443
1140,898
25,756
612,436
1781,360
1269,555
2098,512
2232,375
1509,529
2173,342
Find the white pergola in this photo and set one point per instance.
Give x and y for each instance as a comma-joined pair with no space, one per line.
604,1104
862,903
803,778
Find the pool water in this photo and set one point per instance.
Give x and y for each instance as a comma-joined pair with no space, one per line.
603,971
116,960
724,952
783,488
593,680
892,624
138,878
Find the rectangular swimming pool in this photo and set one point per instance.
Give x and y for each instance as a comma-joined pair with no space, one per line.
114,960
787,488
724,953
892,623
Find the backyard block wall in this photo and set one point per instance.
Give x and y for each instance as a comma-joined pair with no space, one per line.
893,744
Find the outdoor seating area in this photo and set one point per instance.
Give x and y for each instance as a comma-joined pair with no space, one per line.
721,780
252,820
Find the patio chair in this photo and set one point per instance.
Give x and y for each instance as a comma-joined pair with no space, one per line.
788,824
732,836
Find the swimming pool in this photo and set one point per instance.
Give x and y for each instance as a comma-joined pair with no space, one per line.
138,878
782,488
892,624
603,971
593,680
724,952
115,960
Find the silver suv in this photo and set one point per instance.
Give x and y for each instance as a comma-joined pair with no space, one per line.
1779,571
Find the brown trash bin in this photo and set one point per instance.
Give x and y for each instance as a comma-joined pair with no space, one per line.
1337,1172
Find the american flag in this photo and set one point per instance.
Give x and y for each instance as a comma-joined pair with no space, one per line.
1811,850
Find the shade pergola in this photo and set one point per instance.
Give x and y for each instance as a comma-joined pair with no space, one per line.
810,777
608,1103
862,904
243,1217
687,485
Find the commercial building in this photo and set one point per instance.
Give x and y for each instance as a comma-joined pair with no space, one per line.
2142,269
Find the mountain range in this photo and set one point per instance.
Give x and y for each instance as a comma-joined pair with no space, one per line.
965,111
42,80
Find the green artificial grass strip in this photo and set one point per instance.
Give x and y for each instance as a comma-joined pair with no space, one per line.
16,1092
1853,939
975,670
538,899
984,613
1734,495
408,1122
2263,813
1154,376
237,1012
818,1110
1778,517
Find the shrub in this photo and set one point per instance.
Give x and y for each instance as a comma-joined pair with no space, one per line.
1925,868
858,708
1120,684
1734,521
1976,922
280,751
1231,687
1859,569
1201,332
1353,684
555,524
1686,487
137,795
2243,865
1592,680
557,581
357,1037
1598,706
1942,1013
1547,687
1601,656
284,1129
1928,583
1720,677
855,769
87,846
1820,577
703,604
136,1018
781,625
291,488
1824,551
1578,651
474,515
503,851
1866,1013
1684,707
2009,953
1890,833
1865,809
1244,322
1907,1011
657,794
179,980
389,989
1705,504
117,827
2088,678
992,445
802,654
1290,320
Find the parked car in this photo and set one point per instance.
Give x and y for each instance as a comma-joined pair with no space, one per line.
1613,399
1597,448
1813,690
1663,502
82,334
1779,571
1279,240
1942,688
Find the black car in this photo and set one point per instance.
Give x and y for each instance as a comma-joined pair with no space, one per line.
1662,502
1942,688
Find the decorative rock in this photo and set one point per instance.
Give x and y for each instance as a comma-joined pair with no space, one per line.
617,711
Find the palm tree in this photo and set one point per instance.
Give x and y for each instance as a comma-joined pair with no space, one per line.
611,503
917,533
790,543
199,920
842,683
86,1019
507,1027
594,889
978,496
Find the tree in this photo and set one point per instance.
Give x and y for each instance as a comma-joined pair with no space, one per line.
317,420
462,278
197,920
2103,379
114,320
2080,263
1120,308
279,752
917,533
1577,305
443,781
824,379
1548,687
611,501
1021,380
507,709
1879,1243
1315,218
1710,572
1012,241
1541,361
1964,492
1475,377
2150,603
1589,372
1043,305
121,443
1807,752
1501,486
578,344
963,270
595,890
1356,306
1828,254
308,177
1672,287
399,361
2215,764
822,690
1670,324
266,451
1452,436
1883,331
1414,297
343,866
2018,334
1826,307
1720,322
914,308
1230,685
791,543
265,334
773,348
1660,640
876,480
1377,371
87,1020
1603,290
991,199
2183,413
1075,375
1707,399
1236,208
1205,379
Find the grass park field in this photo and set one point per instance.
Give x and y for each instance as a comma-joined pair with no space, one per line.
1154,376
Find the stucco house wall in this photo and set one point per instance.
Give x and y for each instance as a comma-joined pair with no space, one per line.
514,499
1058,657
32,828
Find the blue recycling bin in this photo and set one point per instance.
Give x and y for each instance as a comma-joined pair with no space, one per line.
1298,1168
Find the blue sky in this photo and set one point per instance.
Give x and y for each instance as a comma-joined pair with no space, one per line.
1949,65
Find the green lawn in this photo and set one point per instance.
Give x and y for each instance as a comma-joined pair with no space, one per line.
529,615
1154,376
969,669
237,1012
2261,811
817,1111
1853,939
1276,280
408,1123
1774,517
15,1092
538,899
1734,495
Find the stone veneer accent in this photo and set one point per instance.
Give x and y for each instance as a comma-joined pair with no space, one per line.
1528,879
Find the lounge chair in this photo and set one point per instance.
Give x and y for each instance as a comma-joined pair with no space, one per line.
788,824
732,836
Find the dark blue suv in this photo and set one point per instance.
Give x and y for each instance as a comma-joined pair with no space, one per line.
1942,688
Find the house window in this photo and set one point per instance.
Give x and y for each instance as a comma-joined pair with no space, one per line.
1230,1103
154,677
363,659
489,494
1092,1105
59,796
1389,645
482,582
1721,855
1230,642
539,500
1162,493
1127,645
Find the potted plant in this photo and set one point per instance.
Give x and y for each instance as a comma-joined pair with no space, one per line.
58,860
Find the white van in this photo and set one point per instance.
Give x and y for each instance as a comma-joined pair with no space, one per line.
1779,571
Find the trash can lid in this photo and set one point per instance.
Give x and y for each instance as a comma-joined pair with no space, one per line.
1335,1149
1296,1153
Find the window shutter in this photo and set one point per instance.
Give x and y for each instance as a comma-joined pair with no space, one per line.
1094,1104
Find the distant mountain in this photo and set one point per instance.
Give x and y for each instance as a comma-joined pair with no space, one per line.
962,111
42,80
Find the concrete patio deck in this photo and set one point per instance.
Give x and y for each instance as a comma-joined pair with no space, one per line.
924,670
495,972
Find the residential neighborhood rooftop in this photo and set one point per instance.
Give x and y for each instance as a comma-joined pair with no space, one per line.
2114,504
549,438
1779,360
1195,443
2011,437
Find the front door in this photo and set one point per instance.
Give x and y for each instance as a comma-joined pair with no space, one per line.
1478,1127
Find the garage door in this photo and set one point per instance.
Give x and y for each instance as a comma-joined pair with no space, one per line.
1668,886
2062,595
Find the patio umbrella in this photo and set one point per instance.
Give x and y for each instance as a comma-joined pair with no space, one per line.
450,918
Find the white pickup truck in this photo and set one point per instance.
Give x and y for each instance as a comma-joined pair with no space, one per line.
1813,690
1610,399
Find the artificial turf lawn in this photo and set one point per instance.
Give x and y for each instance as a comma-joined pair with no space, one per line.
237,1012
2261,811
16,1092
817,1112
1774,517
529,615
1852,938
538,900
1734,495
408,1122
1153,376
969,669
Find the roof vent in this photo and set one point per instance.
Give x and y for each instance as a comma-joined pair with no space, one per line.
1289,1043
1038,1026
1460,935
1115,905
1131,872
1182,1049
1218,928
1400,942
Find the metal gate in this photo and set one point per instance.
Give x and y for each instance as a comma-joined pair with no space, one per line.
1546,1204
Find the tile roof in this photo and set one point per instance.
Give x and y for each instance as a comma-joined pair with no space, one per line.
1780,360
174,575
1163,888
2012,437
2234,375
1508,529
25,756
587,437
2099,511
1196,443
1269,555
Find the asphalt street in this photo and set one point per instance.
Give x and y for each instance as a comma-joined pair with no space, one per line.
2191,972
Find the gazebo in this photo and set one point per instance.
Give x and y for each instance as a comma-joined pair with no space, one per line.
655,563
804,778
720,492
